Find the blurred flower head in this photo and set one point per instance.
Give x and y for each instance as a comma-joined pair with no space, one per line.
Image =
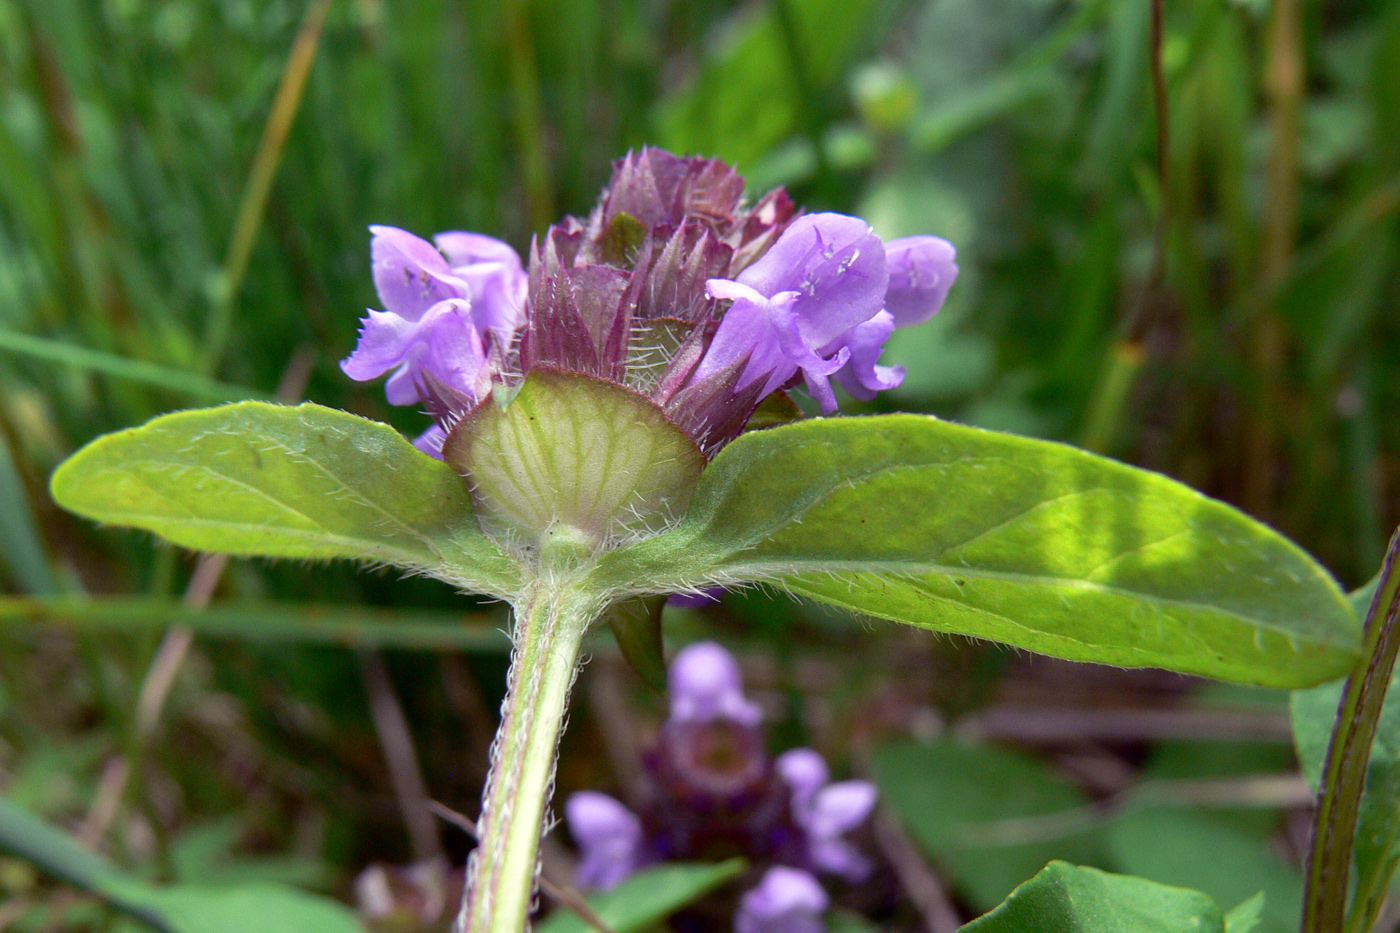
713,792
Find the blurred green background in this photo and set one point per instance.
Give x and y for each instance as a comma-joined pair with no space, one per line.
185,187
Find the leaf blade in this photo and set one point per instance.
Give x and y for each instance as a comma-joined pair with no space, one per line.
305,482
1066,898
1026,542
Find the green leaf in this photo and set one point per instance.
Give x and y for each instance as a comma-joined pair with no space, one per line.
257,479
1207,852
247,908
179,908
1026,542
989,817
1065,898
1246,915
647,898
636,624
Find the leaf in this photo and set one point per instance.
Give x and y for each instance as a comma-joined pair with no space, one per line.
973,809
180,908
246,908
647,898
1065,898
1246,915
1206,852
265,480
1314,711
636,624
1027,542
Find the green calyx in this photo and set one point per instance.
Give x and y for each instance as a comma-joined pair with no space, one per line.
573,458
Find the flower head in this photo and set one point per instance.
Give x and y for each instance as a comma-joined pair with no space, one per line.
672,287
713,792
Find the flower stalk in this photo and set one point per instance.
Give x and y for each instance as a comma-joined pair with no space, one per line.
550,621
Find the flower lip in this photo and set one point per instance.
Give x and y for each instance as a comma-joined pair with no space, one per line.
608,835
786,900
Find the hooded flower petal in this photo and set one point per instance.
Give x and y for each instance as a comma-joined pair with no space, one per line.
805,772
786,900
705,685
495,276
609,837
921,272
837,265
410,274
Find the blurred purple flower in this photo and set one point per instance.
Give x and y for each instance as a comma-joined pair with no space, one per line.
786,900
705,685
609,837
699,600
826,812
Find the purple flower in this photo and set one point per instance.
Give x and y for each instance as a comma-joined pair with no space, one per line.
441,320
823,301
921,272
492,270
794,308
786,900
826,812
671,287
705,685
609,837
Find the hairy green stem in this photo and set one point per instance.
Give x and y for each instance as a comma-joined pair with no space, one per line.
550,622
1349,754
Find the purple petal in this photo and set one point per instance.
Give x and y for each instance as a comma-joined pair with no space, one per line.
463,248
921,272
705,684
862,375
385,338
444,342
805,772
840,808
786,900
495,277
609,837
840,858
745,332
431,441
410,274
699,600
837,265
